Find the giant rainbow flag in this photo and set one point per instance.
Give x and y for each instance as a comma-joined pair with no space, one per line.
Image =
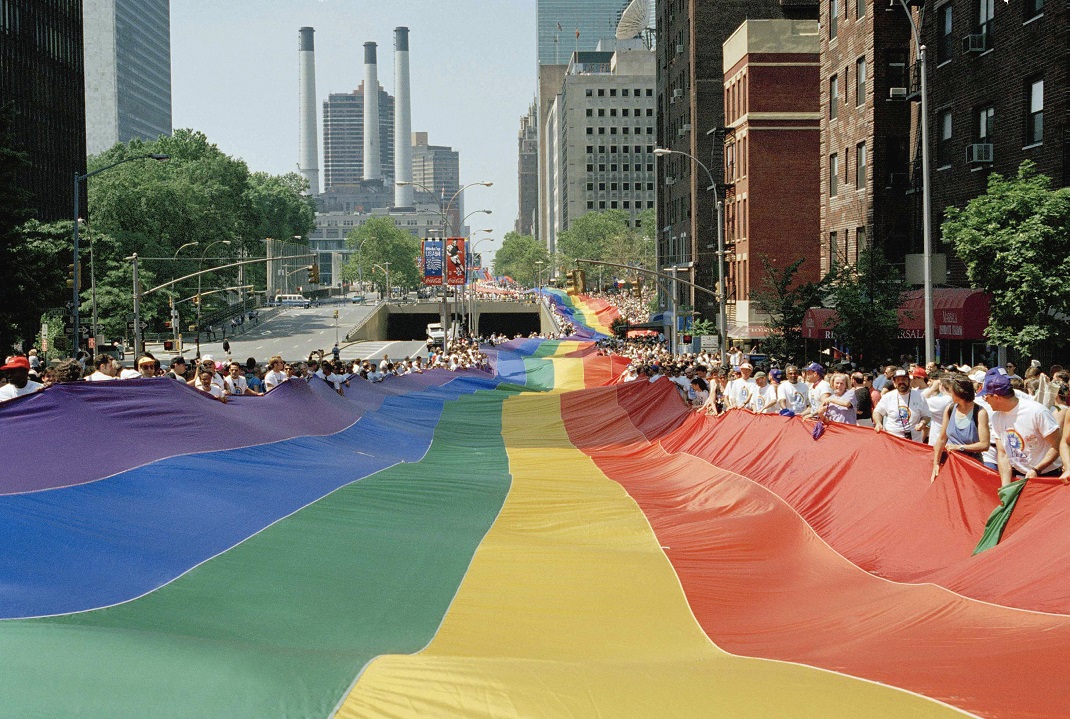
537,541
593,317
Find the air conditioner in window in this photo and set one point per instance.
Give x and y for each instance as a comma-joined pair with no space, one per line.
975,42
897,93
980,153
679,49
670,181
678,92
684,130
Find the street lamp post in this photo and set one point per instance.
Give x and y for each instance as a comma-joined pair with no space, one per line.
174,312
78,179
386,271
200,266
926,201
722,322
444,213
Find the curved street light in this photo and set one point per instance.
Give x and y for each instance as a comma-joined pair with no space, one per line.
722,320
200,266
78,179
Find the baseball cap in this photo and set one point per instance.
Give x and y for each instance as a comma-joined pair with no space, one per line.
900,373
815,367
748,365
919,372
207,358
178,360
978,376
997,382
776,374
964,368
19,362
145,361
759,374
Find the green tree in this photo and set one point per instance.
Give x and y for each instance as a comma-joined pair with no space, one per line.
280,205
1014,240
867,298
379,241
785,300
517,258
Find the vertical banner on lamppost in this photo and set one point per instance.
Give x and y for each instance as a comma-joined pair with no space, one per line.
455,261
433,262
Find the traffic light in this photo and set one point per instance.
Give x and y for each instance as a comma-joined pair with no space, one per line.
314,273
196,299
74,272
168,324
570,285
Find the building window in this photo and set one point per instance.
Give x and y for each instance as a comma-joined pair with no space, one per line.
649,92
602,186
1035,130
590,204
601,112
834,13
590,187
1033,8
943,40
860,8
986,10
833,238
943,138
860,241
624,93
834,173
589,112
834,97
624,112
601,131
985,117
627,205
601,93
860,82
590,130
590,149
612,131
860,166
897,67
602,205
613,92
613,112
589,92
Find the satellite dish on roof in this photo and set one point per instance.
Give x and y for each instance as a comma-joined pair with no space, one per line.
634,20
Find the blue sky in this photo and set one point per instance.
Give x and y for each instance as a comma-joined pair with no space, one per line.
472,65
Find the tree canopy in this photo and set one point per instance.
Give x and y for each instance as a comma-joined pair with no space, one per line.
199,198
867,296
380,240
785,300
517,258
607,236
1014,240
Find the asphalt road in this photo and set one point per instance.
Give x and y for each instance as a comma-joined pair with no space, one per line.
294,333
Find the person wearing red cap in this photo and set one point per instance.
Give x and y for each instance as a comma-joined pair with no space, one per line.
17,374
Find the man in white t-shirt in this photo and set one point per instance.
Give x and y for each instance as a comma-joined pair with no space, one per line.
739,391
17,373
817,391
235,382
276,375
902,412
792,393
764,398
1025,432
105,369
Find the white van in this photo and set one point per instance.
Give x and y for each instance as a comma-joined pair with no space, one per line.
435,333
292,301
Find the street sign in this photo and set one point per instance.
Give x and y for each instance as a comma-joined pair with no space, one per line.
68,329
131,325
83,331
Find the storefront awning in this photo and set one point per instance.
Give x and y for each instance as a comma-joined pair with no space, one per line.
958,314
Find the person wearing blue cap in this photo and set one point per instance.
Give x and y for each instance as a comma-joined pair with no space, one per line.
1025,432
819,390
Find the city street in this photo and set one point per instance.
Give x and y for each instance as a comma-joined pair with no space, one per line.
294,333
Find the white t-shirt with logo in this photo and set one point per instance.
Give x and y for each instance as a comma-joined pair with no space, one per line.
795,395
1023,431
274,378
739,391
903,412
235,386
763,399
817,393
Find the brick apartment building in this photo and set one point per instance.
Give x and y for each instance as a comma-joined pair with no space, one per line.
997,96
771,71
865,134
690,102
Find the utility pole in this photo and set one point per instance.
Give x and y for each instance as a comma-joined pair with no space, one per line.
137,311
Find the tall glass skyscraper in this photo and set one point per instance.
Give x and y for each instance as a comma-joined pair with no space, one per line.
559,20
127,71
343,138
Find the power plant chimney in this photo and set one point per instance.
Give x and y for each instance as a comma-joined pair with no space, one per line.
308,154
373,163
403,195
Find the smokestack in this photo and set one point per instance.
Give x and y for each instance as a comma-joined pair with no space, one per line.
308,154
403,196
373,163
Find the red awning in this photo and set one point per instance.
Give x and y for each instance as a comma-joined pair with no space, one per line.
958,314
